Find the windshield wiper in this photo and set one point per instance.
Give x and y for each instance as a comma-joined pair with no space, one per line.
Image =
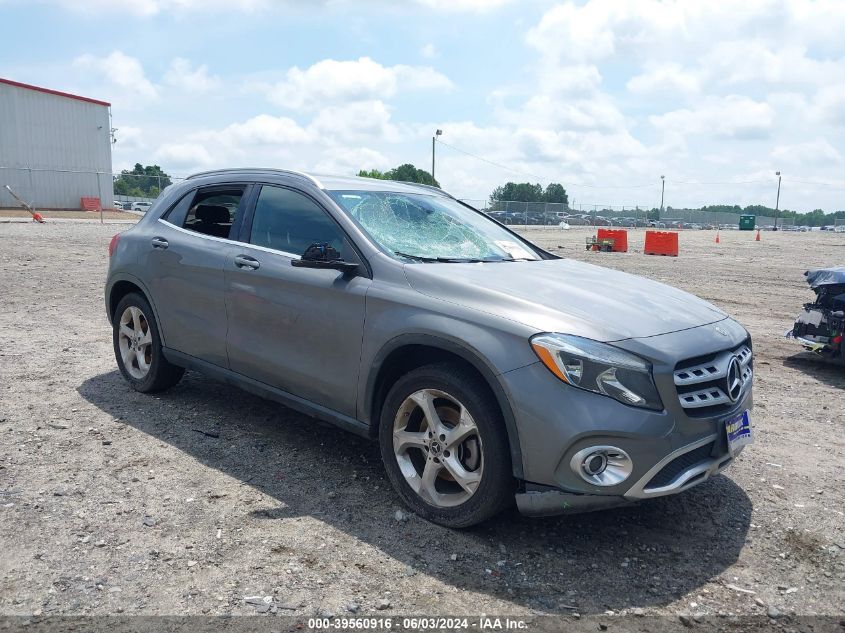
442,260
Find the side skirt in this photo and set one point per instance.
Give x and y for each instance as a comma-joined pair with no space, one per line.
263,390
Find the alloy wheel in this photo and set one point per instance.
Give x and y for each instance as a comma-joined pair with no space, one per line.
135,342
438,448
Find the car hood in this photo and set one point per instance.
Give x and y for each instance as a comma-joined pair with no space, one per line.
566,296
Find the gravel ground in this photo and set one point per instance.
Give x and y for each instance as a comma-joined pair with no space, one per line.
207,500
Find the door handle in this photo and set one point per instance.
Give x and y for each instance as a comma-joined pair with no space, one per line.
160,243
246,262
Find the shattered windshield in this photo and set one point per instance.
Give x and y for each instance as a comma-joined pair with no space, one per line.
429,228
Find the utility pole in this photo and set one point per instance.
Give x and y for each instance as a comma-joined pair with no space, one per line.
433,140
662,191
777,201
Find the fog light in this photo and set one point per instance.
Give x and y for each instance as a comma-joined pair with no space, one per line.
595,464
602,465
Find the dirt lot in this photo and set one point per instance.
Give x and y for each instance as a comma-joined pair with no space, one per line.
193,500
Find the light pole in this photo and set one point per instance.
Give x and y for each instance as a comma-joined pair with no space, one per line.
433,139
777,201
662,191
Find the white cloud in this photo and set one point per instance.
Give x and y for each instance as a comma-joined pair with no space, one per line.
353,122
130,137
122,72
331,82
732,117
184,76
817,152
477,6
179,156
829,105
350,160
148,8
665,78
263,129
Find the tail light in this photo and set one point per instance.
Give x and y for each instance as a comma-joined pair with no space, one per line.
113,244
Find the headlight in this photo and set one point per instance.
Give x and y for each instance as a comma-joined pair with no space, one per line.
598,367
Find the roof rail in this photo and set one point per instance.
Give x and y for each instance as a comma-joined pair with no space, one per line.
214,172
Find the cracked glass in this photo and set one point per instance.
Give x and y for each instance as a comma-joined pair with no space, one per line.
428,228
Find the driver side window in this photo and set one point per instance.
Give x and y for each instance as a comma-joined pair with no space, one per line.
288,221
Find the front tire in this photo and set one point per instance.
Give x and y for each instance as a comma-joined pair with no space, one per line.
138,349
444,446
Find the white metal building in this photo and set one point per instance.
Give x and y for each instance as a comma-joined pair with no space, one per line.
55,147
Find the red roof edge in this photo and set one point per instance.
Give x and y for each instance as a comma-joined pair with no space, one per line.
53,92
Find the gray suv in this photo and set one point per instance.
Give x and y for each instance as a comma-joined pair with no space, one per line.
486,367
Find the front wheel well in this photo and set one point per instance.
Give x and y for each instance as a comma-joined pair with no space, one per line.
408,357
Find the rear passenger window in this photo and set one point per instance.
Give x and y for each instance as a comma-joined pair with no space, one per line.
288,221
213,212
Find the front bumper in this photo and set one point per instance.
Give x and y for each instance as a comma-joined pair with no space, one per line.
541,501
670,450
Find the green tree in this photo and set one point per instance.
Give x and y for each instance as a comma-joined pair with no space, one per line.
402,173
373,173
141,181
555,193
518,192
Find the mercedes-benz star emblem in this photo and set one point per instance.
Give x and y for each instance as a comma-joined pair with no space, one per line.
733,381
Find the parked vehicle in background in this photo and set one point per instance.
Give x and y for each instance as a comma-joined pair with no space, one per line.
117,204
577,220
141,206
820,328
486,368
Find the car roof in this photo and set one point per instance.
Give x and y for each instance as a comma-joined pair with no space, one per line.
330,182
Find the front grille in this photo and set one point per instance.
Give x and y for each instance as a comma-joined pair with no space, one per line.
680,464
703,382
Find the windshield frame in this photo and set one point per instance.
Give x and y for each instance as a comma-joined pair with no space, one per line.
335,196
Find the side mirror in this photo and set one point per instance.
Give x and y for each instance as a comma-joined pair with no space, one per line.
323,256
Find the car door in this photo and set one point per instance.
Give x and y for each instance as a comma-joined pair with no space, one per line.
296,329
185,261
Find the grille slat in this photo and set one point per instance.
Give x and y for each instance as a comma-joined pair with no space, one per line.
702,382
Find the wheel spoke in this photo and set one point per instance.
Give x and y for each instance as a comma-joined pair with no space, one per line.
468,480
425,401
403,440
146,337
429,476
462,431
126,353
136,318
126,331
143,365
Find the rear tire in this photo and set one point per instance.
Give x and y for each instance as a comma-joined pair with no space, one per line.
444,446
138,349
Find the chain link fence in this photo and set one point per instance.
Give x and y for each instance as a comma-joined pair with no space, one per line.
528,214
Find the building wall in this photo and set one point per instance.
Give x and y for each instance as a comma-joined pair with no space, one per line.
54,149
